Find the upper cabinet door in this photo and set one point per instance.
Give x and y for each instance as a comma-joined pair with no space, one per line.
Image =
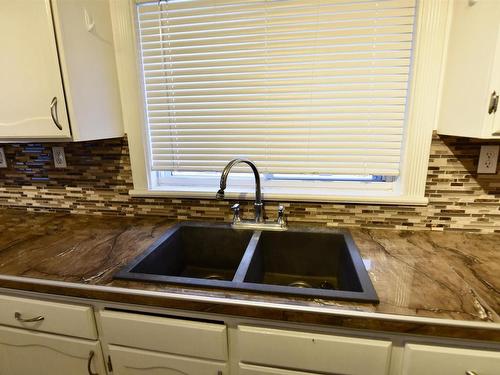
472,70
495,87
86,50
32,102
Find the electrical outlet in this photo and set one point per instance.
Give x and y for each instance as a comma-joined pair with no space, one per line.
59,157
488,159
3,161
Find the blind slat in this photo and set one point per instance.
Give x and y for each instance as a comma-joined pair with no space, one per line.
397,96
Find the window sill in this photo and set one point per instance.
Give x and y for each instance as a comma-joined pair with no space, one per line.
193,193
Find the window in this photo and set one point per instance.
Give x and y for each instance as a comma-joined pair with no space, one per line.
315,92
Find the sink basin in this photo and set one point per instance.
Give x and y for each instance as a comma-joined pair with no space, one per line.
191,254
304,260
313,263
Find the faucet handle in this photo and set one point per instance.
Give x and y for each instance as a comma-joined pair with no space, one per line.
281,216
236,212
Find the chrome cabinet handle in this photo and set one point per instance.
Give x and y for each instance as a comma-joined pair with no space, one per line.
89,364
493,106
470,373
53,112
19,318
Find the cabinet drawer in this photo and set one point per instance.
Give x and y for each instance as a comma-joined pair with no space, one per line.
313,352
245,369
61,318
441,360
128,361
177,336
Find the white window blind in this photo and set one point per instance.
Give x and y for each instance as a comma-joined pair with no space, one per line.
298,86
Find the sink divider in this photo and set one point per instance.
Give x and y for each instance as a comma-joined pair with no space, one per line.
241,272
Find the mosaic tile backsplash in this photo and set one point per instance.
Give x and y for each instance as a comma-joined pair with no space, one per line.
98,179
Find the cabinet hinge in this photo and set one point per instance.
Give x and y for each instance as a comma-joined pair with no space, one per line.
492,108
110,365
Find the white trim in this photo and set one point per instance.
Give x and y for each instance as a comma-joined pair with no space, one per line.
431,34
429,48
127,60
379,200
185,296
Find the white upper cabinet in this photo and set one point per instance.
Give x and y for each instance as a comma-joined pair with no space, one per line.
58,71
30,78
471,80
85,40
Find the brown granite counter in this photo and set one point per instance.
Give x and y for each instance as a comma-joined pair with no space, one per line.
444,284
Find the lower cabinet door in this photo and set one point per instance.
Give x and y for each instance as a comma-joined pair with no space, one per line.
245,369
127,361
440,360
25,352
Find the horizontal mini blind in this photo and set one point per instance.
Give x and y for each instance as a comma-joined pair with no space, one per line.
297,86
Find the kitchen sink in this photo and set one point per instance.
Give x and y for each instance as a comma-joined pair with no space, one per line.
312,263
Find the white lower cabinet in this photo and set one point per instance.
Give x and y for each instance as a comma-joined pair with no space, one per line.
50,317
127,361
160,345
164,334
24,352
441,360
45,338
311,352
245,369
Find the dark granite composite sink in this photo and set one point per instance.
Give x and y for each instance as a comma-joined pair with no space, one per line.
313,263
191,254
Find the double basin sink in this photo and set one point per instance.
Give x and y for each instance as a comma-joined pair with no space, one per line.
312,263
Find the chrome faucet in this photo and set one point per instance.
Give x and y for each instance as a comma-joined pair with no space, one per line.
259,222
259,207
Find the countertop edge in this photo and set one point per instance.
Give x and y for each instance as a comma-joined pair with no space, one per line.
190,298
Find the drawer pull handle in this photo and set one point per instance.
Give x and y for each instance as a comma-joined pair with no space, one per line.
89,364
470,373
19,318
53,112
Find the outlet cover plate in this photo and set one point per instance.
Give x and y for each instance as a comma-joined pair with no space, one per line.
59,157
488,159
3,161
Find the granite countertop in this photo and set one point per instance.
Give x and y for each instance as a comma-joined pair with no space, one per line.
453,278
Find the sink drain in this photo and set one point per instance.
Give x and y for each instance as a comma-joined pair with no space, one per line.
214,276
300,284
304,284
326,285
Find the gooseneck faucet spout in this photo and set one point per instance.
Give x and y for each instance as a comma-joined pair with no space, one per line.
259,212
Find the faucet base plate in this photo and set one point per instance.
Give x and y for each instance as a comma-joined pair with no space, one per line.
258,226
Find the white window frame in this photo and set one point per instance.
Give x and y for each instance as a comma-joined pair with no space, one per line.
432,23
